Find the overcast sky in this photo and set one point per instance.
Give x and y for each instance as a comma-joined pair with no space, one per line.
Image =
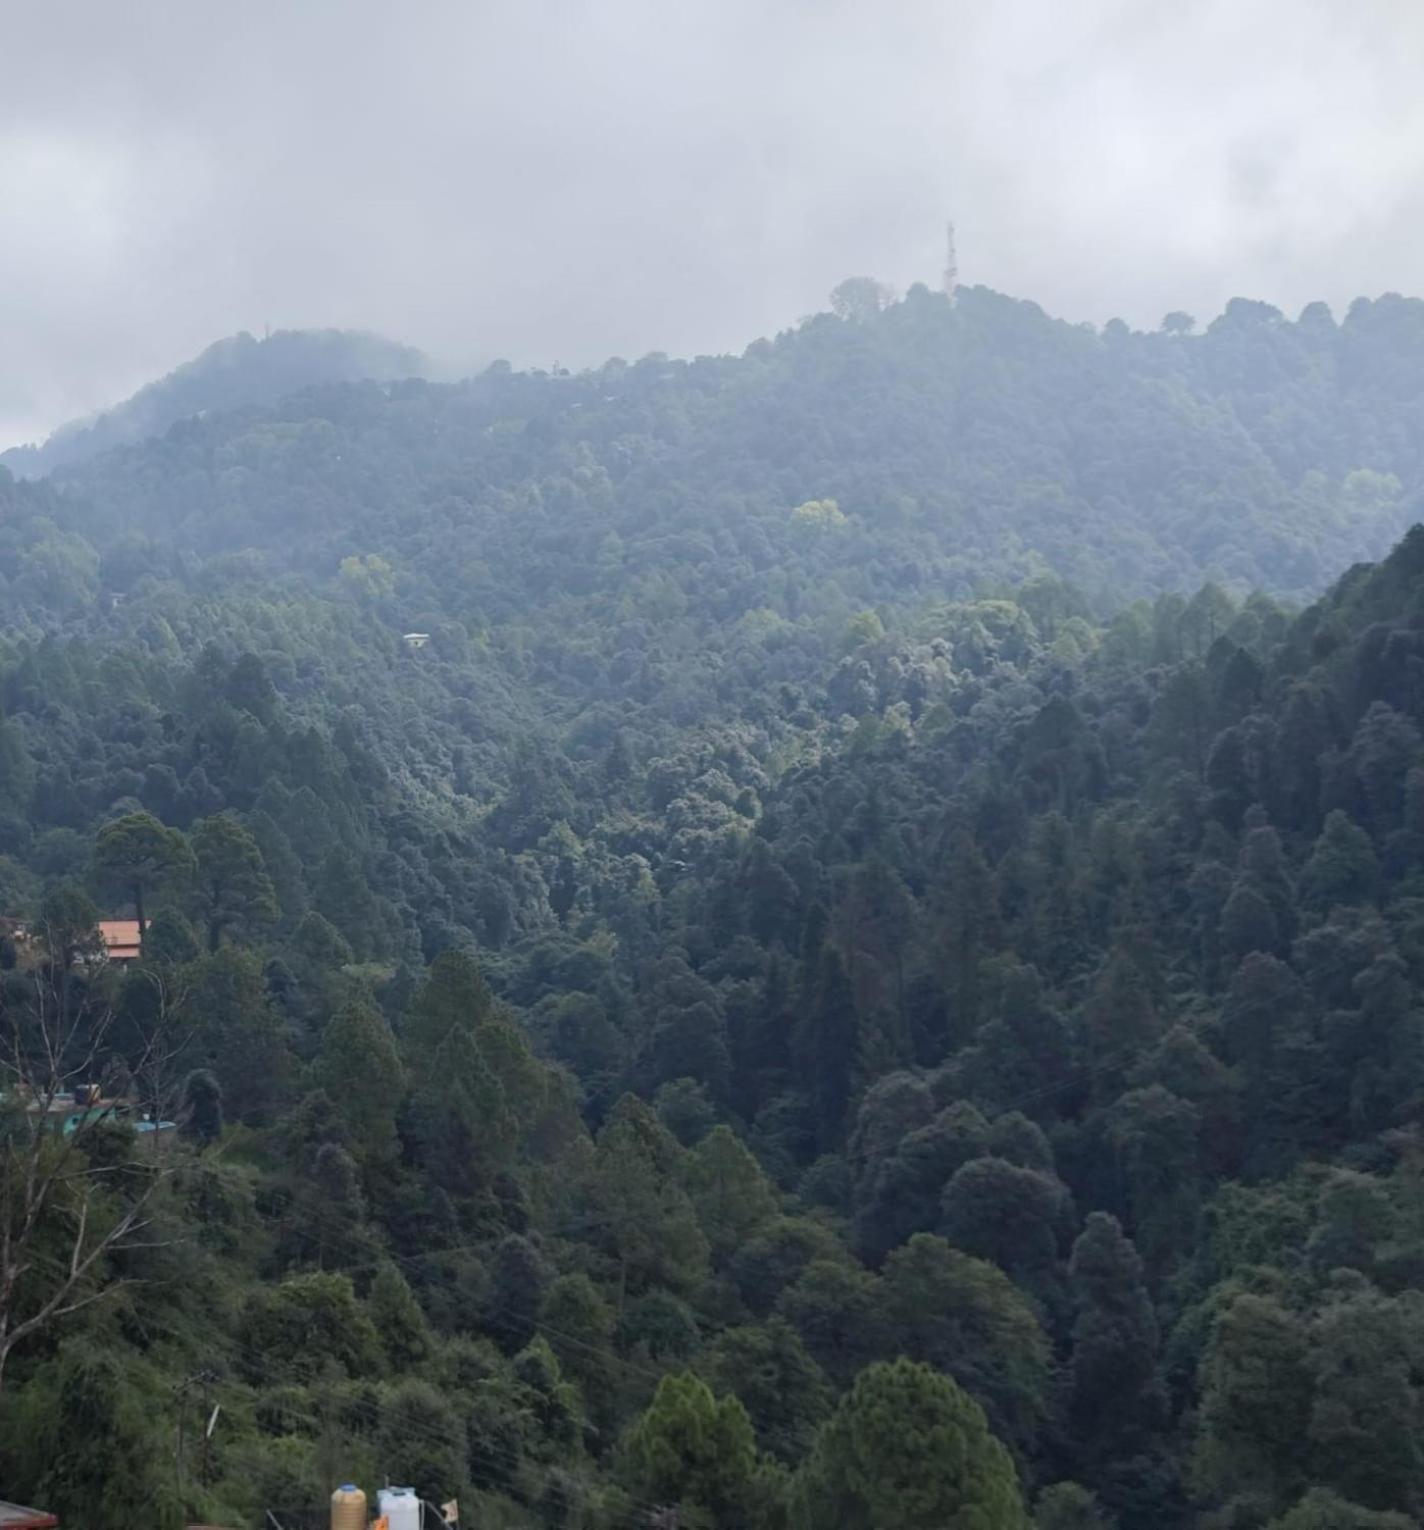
562,180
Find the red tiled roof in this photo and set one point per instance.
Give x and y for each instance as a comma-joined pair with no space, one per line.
121,938
15,1516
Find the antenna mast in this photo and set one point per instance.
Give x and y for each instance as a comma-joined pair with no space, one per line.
951,264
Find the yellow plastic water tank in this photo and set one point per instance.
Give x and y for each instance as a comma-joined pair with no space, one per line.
348,1508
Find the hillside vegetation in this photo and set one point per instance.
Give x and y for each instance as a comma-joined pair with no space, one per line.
962,444
237,371
849,983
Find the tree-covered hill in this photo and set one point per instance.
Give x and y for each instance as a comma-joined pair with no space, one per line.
764,1014
961,444
237,371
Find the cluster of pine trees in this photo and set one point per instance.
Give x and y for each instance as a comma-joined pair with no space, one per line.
755,1035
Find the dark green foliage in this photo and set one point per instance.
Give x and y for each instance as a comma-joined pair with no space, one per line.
899,1192
729,1192
1156,1139
233,890
1321,1509
398,1319
305,1324
234,372
1367,1394
475,1088
771,927
1067,1506
836,1308
697,1452
907,1448
578,1323
82,1442
1117,1394
641,1217
203,1105
827,1046
169,939
966,1317
237,1033
1342,867
136,856
420,1440
784,1391
683,1107
68,926
1255,1407
516,1293
1006,1214
360,1069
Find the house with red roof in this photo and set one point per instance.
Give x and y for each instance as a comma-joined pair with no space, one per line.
122,944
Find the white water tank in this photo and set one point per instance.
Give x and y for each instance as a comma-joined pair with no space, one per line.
399,1507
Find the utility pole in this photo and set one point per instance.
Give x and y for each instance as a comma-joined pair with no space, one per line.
210,1414
203,1379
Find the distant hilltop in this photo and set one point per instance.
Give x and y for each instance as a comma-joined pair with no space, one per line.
235,372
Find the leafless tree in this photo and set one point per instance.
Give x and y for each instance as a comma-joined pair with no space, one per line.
157,1071
64,1209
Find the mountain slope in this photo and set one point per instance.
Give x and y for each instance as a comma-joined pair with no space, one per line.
1069,1002
962,444
754,973
228,375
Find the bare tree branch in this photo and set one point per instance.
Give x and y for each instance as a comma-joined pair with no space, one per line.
49,1046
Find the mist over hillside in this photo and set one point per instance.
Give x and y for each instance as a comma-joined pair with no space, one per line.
229,374
799,906
962,444
832,936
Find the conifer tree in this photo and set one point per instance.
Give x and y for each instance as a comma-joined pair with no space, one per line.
399,1321
1255,1403
1117,1394
827,1046
729,1191
86,1446
966,1317
233,891
1006,1214
1320,1509
908,1448
694,1451
640,1213
359,1066
1342,867
137,855
1068,1506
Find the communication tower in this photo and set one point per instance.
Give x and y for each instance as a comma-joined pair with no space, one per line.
951,264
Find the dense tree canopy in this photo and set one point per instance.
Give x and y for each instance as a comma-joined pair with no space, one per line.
867,971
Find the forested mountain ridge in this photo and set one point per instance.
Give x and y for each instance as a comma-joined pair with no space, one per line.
760,1031
962,443
233,372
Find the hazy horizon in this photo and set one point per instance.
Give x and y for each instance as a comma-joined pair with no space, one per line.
447,370
552,183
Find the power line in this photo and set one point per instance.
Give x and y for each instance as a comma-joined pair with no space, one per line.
1112,1058
490,1452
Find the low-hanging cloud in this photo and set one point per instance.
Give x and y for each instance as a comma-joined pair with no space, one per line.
557,181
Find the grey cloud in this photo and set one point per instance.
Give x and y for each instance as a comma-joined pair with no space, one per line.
549,180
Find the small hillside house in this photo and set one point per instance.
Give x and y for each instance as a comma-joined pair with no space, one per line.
122,942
